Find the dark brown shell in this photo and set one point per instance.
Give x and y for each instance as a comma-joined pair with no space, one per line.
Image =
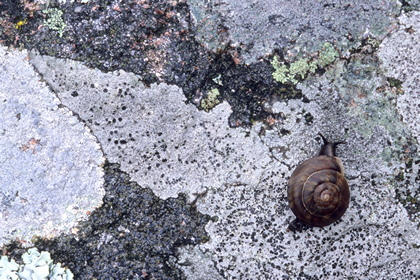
317,191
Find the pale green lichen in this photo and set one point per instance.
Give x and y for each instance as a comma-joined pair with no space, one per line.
211,100
288,74
54,20
36,266
218,80
302,67
282,71
327,55
373,42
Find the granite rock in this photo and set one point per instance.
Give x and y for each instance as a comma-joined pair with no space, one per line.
51,173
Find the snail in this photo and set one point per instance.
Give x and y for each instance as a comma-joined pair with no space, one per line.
317,191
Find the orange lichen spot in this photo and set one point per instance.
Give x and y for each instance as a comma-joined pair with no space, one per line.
31,145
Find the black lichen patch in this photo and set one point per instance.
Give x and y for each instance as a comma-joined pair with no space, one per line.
133,235
12,20
410,5
149,38
409,176
154,39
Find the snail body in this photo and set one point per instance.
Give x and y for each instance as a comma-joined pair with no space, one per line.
317,191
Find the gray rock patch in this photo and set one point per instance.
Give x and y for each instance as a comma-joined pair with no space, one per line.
51,173
374,239
400,54
299,27
241,174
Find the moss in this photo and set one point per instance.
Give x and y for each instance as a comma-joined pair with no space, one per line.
54,20
211,100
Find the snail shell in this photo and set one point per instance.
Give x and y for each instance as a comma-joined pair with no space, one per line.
318,193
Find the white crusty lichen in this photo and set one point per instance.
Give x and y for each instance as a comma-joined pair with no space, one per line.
8,270
37,266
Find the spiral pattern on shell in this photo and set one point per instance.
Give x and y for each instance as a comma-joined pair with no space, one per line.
318,193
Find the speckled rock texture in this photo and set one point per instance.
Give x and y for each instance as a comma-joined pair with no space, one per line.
399,54
232,161
300,27
374,239
252,207
51,173
180,146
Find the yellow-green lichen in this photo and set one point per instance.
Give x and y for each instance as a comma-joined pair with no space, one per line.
299,69
373,42
282,71
211,100
302,67
327,55
288,74
54,20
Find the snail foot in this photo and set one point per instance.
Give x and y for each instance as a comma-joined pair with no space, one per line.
297,226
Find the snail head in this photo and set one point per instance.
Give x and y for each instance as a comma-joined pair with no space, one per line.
329,148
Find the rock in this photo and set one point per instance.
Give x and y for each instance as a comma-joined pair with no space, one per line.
51,173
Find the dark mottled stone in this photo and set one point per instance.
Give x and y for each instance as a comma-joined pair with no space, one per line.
133,235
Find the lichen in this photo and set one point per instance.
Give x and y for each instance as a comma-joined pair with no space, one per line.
302,67
8,270
218,80
54,20
21,23
282,71
36,266
288,74
211,100
327,55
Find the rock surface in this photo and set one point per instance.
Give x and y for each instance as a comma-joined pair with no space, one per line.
251,205
367,96
163,143
300,27
399,54
51,173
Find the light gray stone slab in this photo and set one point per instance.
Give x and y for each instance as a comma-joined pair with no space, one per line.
51,173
